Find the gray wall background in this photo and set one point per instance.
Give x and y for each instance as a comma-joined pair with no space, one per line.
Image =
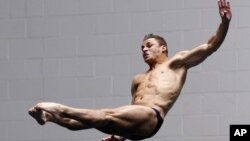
84,53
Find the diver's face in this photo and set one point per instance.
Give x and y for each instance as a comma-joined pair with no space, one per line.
151,49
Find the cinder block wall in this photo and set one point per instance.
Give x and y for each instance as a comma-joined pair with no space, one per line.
84,53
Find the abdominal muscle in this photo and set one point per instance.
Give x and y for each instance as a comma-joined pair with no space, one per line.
159,90
161,103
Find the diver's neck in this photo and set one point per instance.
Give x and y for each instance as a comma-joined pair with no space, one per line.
158,62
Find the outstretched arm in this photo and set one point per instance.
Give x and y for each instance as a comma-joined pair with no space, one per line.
197,55
225,12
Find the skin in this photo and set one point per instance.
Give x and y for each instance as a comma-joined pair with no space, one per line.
159,88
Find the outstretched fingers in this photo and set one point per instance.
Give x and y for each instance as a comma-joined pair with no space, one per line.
223,4
228,5
224,9
219,4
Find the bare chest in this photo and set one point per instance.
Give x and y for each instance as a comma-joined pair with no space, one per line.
161,80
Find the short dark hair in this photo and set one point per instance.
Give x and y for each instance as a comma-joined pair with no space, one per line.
160,40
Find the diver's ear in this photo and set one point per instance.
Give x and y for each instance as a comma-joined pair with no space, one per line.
164,48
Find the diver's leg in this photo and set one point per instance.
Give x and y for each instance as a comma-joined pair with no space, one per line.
123,121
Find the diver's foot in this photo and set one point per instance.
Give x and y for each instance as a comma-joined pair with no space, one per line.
113,138
40,115
50,107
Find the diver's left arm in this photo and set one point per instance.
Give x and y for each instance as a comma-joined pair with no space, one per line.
225,12
198,54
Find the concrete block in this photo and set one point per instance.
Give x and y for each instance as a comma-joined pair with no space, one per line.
128,43
60,88
149,22
4,9
177,109
210,18
217,62
241,38
95,6
90,135
113,23
166,5
12,69
191,104
26,89
131,5
3,131
195,4
33,68
215,138
26,48
194,122
194,38
77,25
111,102
60,47
174,42
94,87
242,103
43,27
122,85
4,90
112,65
235,118
172,127
4,49
18,8
95,45
173,20
242,20
35,8
231,41
217,103
77,67
51,67
69,67
60,7
243,60
201,125
137,64
12,28
86,67
243,81
23,130
55,132
210,125
228,81
242,3
202,82
18,110
84,102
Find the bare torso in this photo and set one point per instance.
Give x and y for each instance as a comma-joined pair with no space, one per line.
158,88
